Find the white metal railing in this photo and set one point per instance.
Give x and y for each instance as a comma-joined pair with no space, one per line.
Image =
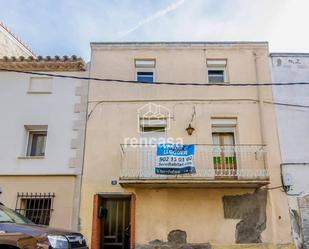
242,162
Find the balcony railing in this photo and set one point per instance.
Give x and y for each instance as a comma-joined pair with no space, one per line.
213,163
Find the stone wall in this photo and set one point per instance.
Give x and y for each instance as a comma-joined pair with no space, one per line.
251,209
176,239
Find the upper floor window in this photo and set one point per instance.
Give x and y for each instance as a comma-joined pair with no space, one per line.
36,143
40,85
223,137
145,71
145,77
153,125
153,130
215,76
217,72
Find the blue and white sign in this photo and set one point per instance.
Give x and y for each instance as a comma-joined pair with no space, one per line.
175,159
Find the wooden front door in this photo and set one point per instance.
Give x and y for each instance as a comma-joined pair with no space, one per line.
115,223
224,158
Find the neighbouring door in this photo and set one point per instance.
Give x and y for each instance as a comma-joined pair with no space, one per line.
116,223
224,158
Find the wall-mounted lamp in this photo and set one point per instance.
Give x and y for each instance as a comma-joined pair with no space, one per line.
190,130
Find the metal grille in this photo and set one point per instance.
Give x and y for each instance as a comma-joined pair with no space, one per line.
37,207
210,161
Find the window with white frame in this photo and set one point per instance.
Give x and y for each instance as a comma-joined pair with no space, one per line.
40,85
145,71
217,71
223,136
153,130
36,140
153,124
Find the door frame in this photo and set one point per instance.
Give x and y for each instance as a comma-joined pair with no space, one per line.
96,235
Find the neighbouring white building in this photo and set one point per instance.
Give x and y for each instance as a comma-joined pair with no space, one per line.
292,110
42,138
11,45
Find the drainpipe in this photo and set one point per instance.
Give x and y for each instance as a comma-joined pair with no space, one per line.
263,140
79,177
260,98
1,193
261,108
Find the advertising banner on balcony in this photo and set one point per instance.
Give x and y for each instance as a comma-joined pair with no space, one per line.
175,159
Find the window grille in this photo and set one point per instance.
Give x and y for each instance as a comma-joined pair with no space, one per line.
37,207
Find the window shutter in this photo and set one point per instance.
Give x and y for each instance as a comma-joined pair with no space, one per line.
158,122
223,124
216,63
144,63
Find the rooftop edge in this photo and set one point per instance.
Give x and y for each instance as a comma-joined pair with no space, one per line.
180,44
283,54
41,63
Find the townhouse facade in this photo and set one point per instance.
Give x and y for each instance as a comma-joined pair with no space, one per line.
230,195
42,138
293,120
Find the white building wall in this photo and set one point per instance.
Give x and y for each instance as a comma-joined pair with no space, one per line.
11,46
62,110
293,130
293,122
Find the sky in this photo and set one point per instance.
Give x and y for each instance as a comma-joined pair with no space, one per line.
66,27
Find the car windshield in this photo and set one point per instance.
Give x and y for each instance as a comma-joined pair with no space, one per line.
8,215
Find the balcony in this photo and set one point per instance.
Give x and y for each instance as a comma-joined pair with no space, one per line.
216,166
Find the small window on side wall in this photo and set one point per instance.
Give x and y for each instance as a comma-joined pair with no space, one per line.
145,71
217,71
41,85
36,142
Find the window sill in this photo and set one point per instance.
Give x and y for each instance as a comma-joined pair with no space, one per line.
30,157
226,82
33,92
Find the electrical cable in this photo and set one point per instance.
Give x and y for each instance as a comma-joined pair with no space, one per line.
167,83
271,188
173,84
158,82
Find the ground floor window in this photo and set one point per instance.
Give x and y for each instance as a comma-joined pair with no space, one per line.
37,207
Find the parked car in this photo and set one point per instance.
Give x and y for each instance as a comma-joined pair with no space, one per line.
17,240
51,238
